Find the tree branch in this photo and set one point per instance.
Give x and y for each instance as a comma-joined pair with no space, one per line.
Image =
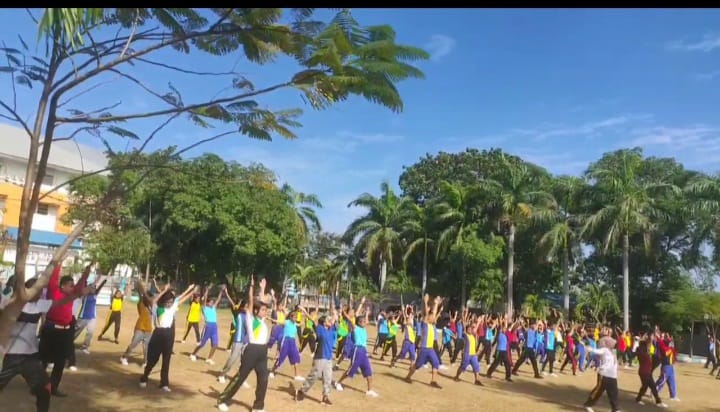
186,71
173,110
157,129
89,89
203,141
17,117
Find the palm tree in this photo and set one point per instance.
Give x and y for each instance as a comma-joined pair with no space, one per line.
401,284
563,236
535,307
457,214
599,300
303,205
418,227
704,197
513,196
378,231
628,203
302,276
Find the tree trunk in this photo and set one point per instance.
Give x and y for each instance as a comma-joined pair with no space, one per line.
463,287
424,269
566,281
510,268
383,273
626,281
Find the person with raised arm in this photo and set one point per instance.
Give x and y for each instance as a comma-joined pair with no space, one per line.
503,349
279,314
240,341
360,359
115,315
531,336
326,332
427,352
607,373
255,355
88,314
288,347
210,331
22,356
409,336
56,334
469,348
193,318
165,306
235,308
143,325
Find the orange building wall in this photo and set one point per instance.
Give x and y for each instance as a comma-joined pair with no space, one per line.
13,193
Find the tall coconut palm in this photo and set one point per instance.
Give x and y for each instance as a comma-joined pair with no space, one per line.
513,195
378,232
598,300
401,284
627,205
704,197
302,276
563,237
457,214
418,227
304,205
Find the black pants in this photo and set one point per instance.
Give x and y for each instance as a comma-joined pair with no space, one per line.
379,341
161,343
550,359
32,370
308,338
647,381
72,361
253,358
604,384
528,353
390,344
449,348
486,349
196,328
459,346
711,359
113,319
55,347
500,356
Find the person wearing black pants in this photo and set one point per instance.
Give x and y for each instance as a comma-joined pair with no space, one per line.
711,355
72,359
255,355
502,355
529,352
115,316
163,337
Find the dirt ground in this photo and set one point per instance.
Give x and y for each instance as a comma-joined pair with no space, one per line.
103,384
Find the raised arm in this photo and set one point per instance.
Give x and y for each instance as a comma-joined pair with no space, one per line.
426,307
82,282
361,305
186,295
251,298
99,287
227,295
219,296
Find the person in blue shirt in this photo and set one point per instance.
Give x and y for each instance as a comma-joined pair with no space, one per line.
382,328
88,315
711,354
360,359
210,331
529,352
549,349
326,332
289,348
503,349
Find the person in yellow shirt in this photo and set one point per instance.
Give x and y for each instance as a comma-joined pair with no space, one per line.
193,318
143,326
115,316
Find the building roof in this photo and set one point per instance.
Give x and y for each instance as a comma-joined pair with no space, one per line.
64,155
45,238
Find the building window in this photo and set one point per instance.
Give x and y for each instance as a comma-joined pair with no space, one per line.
2,208
48,180
43,209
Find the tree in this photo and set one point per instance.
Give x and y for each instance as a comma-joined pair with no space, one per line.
418,227
563,237
535,307
110,247
514,193
400,283
302,276
303,204
378,232
82,46
474,258
599,301
626,205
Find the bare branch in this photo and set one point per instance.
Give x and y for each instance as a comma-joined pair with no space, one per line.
34,19
12,80
89,89
139,83
203,141
73,134
129,40
173,110
186,71
157,130
17,117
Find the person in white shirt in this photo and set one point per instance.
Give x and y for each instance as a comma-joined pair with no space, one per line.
254,356
22,356
607,373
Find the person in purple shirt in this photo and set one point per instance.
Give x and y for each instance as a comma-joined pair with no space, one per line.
326,332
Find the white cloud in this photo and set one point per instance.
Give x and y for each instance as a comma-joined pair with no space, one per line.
346,141
707,76
678,138
585,129
439,46
708,43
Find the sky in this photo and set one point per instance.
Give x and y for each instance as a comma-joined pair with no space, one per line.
556,87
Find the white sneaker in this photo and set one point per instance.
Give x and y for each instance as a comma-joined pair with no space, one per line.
661,405
675,399
86,351
124,361
193,358
300,378
223,407
554,375
144,365
143,385
221,379
271,375
166,389
210,361
372,393
641,403
544,373
443,368
73,368
258,410
182,341
425,366
338,387
589,409
246,385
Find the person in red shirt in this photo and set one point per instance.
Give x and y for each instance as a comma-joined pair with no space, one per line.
569,351
645,372
56,335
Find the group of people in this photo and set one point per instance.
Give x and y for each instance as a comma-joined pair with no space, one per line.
261,322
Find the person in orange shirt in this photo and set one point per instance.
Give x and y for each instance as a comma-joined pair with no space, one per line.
143,326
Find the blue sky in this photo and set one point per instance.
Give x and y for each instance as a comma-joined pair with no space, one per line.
557,87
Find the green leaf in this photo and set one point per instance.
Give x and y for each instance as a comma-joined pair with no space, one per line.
122,132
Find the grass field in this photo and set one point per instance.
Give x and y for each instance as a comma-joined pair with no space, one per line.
103,384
